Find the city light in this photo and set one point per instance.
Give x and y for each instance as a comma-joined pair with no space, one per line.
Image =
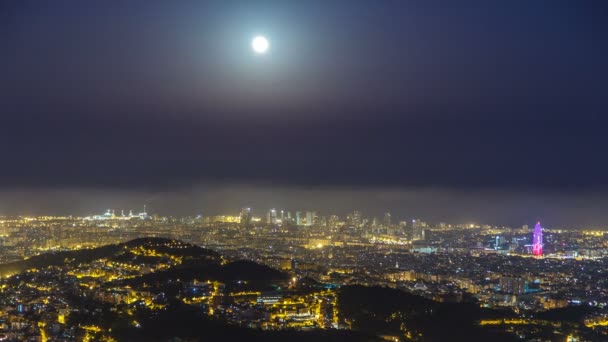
317,254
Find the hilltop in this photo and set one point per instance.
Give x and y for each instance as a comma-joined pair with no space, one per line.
142,250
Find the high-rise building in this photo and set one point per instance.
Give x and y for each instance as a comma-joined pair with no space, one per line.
333,222
356,218
387,220
512,285
245,216
298,218
310,217
537,240
271,216
418,229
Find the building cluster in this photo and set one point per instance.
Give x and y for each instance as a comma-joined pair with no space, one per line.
517,269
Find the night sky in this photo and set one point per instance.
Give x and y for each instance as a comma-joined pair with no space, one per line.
468,110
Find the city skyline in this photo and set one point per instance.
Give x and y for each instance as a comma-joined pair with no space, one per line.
567,211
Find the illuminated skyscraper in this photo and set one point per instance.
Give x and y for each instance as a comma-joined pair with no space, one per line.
271,216
537,240
512,285
418,229
310,218
356,218
387,220
245,217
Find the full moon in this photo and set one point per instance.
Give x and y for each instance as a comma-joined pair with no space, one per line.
260,44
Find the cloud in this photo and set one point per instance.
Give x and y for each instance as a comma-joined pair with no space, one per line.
59,151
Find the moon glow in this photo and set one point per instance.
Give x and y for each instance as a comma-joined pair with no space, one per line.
260,44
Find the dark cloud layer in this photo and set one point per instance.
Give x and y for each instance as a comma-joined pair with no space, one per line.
57,151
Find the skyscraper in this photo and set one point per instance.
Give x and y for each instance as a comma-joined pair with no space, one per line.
387,220
537,240
512,285
310,217
356,219
245,217
271,216
418,229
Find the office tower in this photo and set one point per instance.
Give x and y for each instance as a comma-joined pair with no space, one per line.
245,217
512,285
387,220
310,217
271,216
333,221
298,218
418,229
356,218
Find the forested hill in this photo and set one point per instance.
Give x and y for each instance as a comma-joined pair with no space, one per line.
143,249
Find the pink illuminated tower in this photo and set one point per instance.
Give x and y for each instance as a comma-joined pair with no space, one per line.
537,240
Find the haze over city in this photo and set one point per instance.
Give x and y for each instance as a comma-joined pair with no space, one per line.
574,210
